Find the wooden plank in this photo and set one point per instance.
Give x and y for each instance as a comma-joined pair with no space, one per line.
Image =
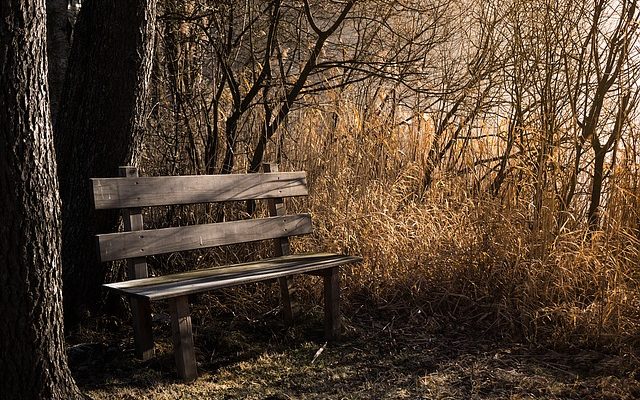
142,328
285,300
183,348
203,280
277,209
281,248
136,269
116,246
332,304
167,190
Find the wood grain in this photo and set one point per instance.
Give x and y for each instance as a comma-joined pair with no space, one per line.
166,190
116,246
281,248
203,280
332,304
183,348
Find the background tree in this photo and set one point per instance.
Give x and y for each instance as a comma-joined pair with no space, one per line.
100,126
31,334
230,74
601,93
58,45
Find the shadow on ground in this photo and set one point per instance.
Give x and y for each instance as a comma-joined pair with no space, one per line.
240,358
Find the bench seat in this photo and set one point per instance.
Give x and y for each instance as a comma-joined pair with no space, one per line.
202,280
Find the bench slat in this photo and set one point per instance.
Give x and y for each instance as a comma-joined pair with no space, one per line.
198,281
167,190
116,246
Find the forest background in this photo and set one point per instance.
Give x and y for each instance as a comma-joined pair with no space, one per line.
481,156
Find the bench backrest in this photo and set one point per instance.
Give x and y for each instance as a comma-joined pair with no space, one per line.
130,192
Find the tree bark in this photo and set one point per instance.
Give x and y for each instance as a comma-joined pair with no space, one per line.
100,126
593,215
34,363
58,46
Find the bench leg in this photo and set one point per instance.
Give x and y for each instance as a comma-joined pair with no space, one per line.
285,299
183,338
332,304
142,333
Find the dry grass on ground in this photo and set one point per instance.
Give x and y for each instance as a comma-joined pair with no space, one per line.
392,356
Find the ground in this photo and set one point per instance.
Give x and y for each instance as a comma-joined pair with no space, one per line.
380,356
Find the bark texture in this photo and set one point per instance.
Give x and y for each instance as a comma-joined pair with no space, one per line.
58,45
100,127
33,361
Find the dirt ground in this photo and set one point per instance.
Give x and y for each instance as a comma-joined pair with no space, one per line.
378,358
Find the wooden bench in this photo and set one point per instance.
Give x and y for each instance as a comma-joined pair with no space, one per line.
130,193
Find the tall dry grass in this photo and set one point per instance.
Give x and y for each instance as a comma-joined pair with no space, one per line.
457,254
453,253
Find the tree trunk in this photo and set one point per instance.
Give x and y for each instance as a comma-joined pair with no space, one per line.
34,363
58,46
99,127
593,215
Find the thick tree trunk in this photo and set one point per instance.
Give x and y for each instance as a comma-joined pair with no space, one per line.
99,127
33,362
